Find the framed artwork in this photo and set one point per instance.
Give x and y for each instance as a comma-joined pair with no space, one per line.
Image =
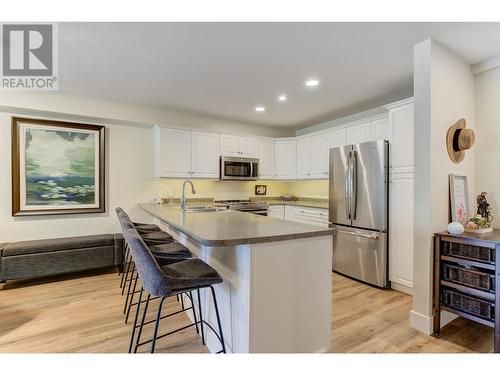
260,189
57,167
459,198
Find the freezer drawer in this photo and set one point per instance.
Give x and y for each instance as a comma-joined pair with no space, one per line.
361,254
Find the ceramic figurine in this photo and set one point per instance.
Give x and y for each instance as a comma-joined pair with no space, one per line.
483,207
455,228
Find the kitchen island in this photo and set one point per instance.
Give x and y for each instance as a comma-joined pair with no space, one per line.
276,293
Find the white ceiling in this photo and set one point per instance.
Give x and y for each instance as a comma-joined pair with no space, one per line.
226,69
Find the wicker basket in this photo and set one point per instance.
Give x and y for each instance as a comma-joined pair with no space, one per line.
471,305
482,254
469,277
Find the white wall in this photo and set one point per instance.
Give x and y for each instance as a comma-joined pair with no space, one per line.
129,180
444,93
487,88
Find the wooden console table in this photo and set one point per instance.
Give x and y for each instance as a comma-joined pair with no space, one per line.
467,278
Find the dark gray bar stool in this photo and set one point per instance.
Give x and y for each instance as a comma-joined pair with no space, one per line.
169,280
165,253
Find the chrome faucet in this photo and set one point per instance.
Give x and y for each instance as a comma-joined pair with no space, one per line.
183,197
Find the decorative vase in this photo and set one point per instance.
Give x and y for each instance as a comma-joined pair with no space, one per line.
455,228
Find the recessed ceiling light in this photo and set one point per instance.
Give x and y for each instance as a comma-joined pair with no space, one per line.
312,83
260,108
282,98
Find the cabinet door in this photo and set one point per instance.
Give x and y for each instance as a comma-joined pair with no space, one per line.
249,147
304,157
290,213
276,211
229,145
173,153
205,155
266,158
402,123
285,159
401,231
359,133
382,129
332,139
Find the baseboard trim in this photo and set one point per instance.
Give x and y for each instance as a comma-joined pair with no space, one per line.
421,322
425,324
402,288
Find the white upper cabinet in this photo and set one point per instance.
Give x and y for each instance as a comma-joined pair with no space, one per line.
359,133
205,155
285,159
232,145
382,129
401,119
266,158
304,157
184,153
173,152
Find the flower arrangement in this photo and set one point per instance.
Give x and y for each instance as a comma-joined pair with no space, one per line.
478,222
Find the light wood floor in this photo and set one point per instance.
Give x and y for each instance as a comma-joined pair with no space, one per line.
84,314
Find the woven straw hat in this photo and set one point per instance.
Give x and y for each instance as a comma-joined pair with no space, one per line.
459,139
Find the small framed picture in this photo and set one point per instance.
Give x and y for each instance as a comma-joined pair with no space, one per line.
260,189
459,198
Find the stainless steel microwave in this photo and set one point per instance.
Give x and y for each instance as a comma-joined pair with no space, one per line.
241,169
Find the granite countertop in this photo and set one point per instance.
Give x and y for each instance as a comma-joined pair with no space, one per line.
229,228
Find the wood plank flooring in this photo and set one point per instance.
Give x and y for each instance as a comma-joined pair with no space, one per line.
83,314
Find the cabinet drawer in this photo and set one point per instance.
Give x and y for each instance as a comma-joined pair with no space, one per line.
315,216
472,252
468,304
471,277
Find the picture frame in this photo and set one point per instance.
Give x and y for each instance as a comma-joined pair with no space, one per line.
57,167
459,198
260,189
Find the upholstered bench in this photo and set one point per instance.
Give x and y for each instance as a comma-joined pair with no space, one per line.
26,259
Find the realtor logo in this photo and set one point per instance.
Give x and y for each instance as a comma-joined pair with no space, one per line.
29,57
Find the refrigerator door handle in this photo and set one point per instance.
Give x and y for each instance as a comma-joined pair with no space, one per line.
370,236
348,188
354,184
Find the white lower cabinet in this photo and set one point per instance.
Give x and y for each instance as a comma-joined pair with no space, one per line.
301,214
276,211
401,232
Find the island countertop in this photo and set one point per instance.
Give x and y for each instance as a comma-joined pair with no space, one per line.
229,228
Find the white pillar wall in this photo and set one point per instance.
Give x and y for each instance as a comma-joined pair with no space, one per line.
444,93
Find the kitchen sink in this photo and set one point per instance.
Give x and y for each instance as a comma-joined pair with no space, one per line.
204,209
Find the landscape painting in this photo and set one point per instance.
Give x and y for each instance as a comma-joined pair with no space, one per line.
57,167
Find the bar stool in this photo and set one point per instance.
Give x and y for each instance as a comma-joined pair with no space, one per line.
169,280
165,253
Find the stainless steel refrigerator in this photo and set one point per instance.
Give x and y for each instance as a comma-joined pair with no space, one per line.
358,210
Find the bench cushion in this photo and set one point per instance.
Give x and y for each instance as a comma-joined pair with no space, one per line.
57,244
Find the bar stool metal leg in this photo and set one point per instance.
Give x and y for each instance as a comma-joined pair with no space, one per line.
129,306
194,312
130,265
142,323
157,324
126,266
132,276
135,322
218,320
201,317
